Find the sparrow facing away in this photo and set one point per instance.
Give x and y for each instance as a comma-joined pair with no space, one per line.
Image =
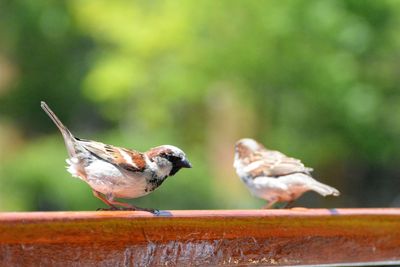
273,176
116,172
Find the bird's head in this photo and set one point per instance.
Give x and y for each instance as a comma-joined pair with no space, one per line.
247,146
169,159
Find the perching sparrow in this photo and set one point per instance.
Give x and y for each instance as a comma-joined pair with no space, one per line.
116,172
273,176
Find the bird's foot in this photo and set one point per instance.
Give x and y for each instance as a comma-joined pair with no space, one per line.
288,205
109,209
153,211
270,204
133,208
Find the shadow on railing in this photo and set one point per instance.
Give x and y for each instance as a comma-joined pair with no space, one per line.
217,237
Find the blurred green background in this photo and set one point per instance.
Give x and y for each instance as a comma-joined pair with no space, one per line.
317,80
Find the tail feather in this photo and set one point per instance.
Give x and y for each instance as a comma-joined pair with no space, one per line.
69,139
324,190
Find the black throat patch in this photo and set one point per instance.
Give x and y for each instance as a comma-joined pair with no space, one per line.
153,183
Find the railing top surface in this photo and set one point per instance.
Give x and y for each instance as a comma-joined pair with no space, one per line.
201,214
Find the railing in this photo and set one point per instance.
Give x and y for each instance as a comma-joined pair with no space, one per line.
201,238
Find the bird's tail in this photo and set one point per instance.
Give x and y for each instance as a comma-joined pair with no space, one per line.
323,189
69,139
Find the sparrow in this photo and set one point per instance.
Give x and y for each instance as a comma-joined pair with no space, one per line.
273,176
116,172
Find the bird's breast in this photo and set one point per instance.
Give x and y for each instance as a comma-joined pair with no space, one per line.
106,178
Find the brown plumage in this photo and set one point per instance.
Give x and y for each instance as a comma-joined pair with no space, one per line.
116,172
272,175
131,160
271,163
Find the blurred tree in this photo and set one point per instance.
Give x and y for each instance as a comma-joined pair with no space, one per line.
314,79
48,52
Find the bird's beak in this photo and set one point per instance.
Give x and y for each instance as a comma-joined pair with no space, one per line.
185,164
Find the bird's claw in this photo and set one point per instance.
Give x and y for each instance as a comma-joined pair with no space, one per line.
153,211
113,208
109,209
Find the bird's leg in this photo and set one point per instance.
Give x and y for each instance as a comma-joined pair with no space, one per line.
127,206
288,205
270,204
99,196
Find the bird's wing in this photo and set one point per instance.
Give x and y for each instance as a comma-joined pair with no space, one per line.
274,164
127,159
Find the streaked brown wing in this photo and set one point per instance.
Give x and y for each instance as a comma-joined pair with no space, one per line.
127,159
275,164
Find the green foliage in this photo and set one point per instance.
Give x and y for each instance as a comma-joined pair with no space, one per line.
315,79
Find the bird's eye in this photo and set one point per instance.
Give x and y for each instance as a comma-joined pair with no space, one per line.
170,158
165,156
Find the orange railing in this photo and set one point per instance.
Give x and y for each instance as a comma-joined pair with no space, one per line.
201,238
